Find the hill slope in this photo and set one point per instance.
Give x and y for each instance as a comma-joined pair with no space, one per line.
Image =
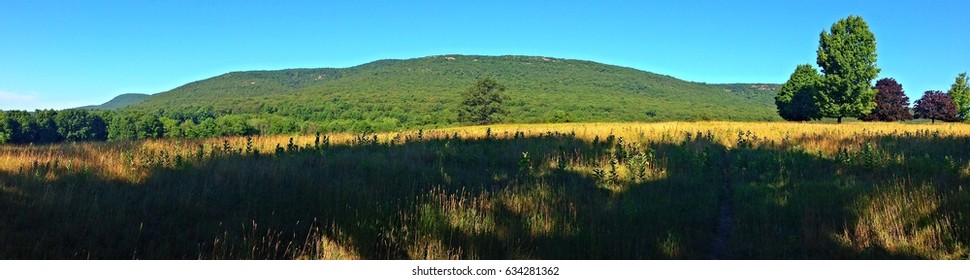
763,93
120,101
427,91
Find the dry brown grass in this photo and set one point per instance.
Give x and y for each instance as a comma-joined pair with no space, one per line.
896,208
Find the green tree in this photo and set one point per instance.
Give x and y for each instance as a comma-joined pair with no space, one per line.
960,91
847,57
123,127
8,126
149,127
233,125
560,116
206,128
482,103
23,127
171,128
188,129
796,98
80,125
46,126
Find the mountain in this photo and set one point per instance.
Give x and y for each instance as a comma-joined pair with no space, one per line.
427,91
120,101
764,93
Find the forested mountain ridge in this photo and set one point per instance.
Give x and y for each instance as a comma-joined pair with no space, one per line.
426,91
118,102
394,95
759,92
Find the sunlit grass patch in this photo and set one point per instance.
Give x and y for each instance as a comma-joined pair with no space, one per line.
902,218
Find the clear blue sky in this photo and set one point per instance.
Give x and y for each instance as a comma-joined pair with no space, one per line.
60,54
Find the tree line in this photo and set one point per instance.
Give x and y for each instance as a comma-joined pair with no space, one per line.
842,87
482,104
80,125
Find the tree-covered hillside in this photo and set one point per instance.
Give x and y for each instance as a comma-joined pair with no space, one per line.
389,95
426,91
120,101
763,93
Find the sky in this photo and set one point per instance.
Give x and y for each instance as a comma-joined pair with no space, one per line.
64,54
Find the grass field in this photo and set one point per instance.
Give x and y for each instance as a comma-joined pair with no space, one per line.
557,191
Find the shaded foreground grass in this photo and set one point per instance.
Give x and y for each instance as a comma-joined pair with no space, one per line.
581,191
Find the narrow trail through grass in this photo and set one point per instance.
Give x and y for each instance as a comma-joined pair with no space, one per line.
725,220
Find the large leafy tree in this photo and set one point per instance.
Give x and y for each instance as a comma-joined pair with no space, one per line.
8,128
847,57
149,127
233,125
482,103
24,128
123,127
936,105
796,98
960,91
46,126
891,102
80,125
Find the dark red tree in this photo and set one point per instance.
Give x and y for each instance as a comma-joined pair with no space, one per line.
936,105
891,102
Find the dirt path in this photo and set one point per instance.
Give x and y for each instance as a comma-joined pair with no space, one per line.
725,220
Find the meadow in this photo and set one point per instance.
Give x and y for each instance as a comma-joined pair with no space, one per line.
672,190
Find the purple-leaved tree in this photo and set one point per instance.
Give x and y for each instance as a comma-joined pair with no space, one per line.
891,102
936,105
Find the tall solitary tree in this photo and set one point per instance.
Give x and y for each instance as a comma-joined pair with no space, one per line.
960,91
482,103
891,102
796,98
847,57
936,105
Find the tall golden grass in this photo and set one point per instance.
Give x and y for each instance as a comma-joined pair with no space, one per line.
853,190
